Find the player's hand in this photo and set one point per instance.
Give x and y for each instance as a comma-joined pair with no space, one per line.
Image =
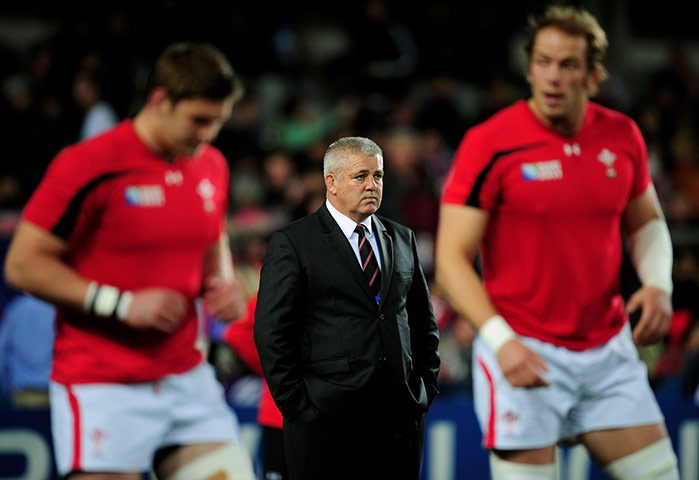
158,308
225,299
521,366
656,315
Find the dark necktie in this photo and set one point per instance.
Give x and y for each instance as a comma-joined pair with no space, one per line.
369,263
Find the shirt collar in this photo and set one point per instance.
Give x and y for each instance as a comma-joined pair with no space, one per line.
346,224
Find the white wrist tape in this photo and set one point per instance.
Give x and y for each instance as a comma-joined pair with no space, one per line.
90,296
106,301
495,332
123,305
651,254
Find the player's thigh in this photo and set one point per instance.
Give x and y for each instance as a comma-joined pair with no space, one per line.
104,476
605,446
206,461
180,456
535,456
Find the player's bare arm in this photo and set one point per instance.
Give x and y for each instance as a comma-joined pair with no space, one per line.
224,297
461,229
651,252
35,264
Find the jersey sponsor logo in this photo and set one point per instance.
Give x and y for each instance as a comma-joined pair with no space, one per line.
571,149
542,171
173,177
206,190
145,195
608,158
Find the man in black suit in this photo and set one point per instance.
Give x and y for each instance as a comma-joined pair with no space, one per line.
350,356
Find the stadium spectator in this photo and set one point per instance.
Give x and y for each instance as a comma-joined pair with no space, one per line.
26,350
99,114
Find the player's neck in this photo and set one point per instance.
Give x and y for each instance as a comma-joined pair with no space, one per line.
144,126
565,125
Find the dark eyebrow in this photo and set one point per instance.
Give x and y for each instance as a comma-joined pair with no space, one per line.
203,118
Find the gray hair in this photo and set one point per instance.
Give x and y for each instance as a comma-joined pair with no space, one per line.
335,156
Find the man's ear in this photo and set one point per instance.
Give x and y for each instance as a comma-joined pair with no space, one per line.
159,98
594,79
331,183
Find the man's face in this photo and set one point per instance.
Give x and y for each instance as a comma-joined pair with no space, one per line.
190,124
559,75
358,190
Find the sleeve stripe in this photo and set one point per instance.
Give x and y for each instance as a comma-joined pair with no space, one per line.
473,199
65,224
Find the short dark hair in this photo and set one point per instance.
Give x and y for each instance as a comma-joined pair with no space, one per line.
574,21
194,70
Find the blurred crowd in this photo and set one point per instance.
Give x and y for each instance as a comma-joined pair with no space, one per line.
412,79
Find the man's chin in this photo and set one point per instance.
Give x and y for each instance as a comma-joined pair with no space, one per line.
371,209
191,150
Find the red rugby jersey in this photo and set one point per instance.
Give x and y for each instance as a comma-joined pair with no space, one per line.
552,250
131,220
240,336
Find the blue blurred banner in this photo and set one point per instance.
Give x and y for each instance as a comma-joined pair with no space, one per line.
452,440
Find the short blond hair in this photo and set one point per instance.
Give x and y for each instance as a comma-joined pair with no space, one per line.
574,21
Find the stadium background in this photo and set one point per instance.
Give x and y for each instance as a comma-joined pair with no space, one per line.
413,80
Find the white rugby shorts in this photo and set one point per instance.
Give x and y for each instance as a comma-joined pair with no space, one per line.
104,427
595,389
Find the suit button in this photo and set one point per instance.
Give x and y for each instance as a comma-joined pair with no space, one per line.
382,359
381,317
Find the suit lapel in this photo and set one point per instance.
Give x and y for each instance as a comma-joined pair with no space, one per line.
385,243
339,246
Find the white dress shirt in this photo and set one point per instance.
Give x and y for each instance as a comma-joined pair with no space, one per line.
347,225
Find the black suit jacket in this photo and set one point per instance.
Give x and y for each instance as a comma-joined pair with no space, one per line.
322,339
